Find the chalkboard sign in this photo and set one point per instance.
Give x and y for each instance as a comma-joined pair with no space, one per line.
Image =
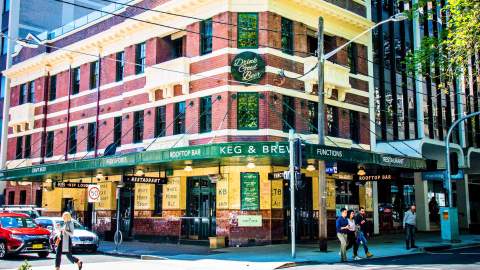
249,190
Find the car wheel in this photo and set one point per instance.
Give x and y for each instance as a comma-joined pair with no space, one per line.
3,250
43,254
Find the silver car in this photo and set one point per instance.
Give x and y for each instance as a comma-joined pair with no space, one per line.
82,239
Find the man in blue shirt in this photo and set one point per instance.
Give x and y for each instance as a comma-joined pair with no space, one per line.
342,231
410,226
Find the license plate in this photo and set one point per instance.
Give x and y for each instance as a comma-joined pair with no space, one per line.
37,246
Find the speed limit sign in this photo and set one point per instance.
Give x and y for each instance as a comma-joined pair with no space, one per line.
93,192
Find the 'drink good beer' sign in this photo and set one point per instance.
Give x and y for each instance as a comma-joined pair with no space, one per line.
248,67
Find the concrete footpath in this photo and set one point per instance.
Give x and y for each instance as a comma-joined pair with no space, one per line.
278,255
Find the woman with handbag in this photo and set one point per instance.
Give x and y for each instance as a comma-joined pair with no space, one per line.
64,243
352,234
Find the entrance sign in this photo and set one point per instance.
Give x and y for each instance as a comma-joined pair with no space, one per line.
249,191
144,180
71,185
93,192
248,67
249,221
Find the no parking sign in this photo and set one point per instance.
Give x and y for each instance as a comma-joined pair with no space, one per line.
93,192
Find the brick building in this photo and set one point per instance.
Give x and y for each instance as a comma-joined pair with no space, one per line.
199,106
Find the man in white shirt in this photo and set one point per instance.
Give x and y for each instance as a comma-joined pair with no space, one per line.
410,225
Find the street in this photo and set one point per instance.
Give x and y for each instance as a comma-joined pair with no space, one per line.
465,258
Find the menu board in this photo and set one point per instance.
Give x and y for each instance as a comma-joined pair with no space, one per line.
249,191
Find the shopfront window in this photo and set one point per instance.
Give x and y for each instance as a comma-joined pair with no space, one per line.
247,30
347,193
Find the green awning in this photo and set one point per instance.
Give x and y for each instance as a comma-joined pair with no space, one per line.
273,150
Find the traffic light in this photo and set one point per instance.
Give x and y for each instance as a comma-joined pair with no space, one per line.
299,156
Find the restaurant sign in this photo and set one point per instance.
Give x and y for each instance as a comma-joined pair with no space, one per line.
248,67
144,180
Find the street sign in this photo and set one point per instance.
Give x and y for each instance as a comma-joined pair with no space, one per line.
144,179
93,192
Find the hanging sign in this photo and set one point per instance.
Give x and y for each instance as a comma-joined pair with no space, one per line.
93,192
248,67
70,185
144,179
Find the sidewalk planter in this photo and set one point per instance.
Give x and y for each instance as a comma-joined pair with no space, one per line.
217,242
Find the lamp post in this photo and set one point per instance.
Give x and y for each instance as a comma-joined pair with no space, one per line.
449,224
322,211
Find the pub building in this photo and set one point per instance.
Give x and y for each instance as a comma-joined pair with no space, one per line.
187,125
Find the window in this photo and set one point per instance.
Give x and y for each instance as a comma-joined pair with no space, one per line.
76,81
179,127
49,147
160,121
313,117
247,111
352,57
354,126
137,126
346,192
23,94
158,200
177,47
94,74
117,130
332,121
206,114
28,146
92,130
6,6
11,197
19,149
52,94
247,30
119,66
31,92
23,197
140,58
206,36
4,42
288,114
72,142
312,44
287,36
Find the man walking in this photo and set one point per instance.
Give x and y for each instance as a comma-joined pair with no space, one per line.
342,233
410,225
361,221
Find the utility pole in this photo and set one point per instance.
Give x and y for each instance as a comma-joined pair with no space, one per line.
322,177
291,140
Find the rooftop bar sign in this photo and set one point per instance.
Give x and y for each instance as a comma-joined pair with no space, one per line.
248,67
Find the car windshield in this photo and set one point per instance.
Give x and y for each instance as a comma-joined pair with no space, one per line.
76,225
17,222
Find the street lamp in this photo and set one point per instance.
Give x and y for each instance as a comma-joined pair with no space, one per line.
322,213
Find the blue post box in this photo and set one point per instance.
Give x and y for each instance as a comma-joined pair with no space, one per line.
449,224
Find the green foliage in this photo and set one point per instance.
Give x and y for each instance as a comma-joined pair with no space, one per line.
458,39
25,266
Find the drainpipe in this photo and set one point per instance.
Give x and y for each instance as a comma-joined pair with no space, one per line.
67,142
97,126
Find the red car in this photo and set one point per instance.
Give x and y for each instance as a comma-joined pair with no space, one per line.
20,234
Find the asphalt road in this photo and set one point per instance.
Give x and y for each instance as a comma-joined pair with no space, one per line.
463,259
15,261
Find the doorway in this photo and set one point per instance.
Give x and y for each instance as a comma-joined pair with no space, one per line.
200,220
127,195
306,225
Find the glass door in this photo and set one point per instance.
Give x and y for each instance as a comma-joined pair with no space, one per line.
200,222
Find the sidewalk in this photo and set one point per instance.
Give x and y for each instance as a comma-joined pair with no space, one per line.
382,246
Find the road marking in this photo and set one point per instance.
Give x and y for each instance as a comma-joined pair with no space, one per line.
469,253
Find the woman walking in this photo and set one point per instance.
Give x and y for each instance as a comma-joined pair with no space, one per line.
352,234
64,244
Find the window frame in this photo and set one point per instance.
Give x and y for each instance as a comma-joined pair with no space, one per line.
72,140
239,32
140,58
288,115
19,148
206,38
354,126
119,66
158,201
160,121
352,57
91,135
179,126
49,144
205,116
117,130
76,77
245,94
22,95
52,88
94,74
334,131
312,116
289,35
138,126
31,92
27,148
